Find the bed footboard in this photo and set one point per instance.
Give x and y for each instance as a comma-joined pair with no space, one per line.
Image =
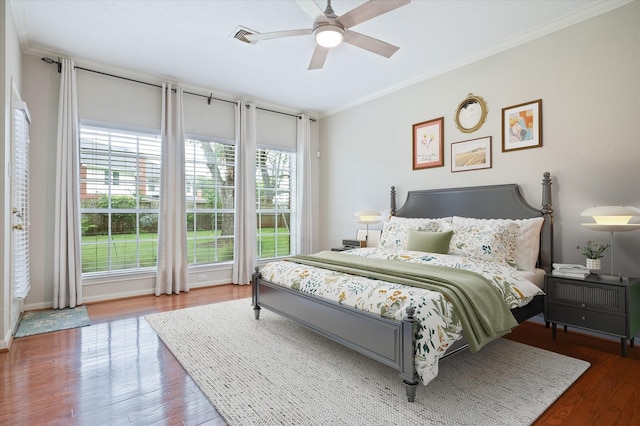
385,340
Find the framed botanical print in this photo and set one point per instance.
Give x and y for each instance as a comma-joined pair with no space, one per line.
428,144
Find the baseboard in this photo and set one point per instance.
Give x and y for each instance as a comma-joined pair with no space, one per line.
128,295
119,295
5,344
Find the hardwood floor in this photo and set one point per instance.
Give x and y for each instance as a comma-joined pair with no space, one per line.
117,372
607,394
114,372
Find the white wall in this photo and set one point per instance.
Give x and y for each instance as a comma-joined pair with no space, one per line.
588,77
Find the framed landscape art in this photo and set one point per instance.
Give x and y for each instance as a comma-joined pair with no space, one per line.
428,144
522,126
471,155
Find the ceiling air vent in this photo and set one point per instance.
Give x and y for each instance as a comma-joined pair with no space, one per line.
240,33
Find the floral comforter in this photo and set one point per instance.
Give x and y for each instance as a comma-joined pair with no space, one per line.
438,326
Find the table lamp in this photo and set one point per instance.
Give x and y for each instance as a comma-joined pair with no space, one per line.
612,219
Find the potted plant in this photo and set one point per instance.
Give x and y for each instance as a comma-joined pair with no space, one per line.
593,252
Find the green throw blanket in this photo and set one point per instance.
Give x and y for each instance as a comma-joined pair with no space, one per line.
483,313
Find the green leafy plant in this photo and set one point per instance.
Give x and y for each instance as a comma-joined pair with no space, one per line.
593,250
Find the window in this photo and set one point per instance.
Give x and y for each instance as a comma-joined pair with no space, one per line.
210,179
112,177
275,170
119,172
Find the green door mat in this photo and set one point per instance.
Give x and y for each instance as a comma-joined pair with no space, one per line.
39,322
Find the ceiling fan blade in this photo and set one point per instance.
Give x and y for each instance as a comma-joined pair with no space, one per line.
369,10
278,34
371,44
310,8
318,58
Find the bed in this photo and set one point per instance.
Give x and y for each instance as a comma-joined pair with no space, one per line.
395,334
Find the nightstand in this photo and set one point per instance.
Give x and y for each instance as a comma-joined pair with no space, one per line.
594,303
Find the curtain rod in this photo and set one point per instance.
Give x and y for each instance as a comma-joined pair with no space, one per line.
209,98
283,113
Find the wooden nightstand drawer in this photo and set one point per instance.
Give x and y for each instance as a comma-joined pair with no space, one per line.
594,303
603,297
597,321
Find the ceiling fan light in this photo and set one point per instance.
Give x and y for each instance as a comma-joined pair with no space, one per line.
328,35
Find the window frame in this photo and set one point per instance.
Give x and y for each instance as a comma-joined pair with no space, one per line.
191,184
137,211
276,211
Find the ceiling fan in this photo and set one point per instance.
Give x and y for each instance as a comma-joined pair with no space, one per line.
329,30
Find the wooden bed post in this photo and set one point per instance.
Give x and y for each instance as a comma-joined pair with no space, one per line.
254,292
408,370
546,246
392,202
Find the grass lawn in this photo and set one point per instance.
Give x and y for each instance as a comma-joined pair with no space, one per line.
124,251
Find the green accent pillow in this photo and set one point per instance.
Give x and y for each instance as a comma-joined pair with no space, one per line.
431,242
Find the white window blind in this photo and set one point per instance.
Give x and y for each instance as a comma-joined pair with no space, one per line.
215,120
20,201
104,99
119,193
276,130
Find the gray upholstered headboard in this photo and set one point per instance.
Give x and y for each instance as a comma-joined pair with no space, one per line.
483,202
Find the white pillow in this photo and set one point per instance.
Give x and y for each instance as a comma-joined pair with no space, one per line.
527,242
395,233
493,243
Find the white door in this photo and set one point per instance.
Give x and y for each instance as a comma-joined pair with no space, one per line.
20,200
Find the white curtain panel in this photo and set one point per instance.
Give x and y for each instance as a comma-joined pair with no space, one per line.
172,276
303,189
67,280
245,246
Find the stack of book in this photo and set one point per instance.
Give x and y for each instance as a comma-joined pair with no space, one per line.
570,270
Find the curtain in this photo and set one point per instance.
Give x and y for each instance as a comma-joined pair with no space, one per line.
172,266
67,280
245,247
303,185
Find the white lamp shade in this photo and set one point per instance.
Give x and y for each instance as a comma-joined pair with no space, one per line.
611,218
328,35
368,216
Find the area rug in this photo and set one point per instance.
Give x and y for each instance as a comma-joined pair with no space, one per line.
272,371
46,321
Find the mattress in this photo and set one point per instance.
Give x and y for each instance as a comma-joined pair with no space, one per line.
536,277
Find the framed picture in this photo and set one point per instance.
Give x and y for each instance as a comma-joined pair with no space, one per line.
428,144
522,126
373,236
471,155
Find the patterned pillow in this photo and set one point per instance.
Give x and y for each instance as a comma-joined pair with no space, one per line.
527,243
494,243
395,233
